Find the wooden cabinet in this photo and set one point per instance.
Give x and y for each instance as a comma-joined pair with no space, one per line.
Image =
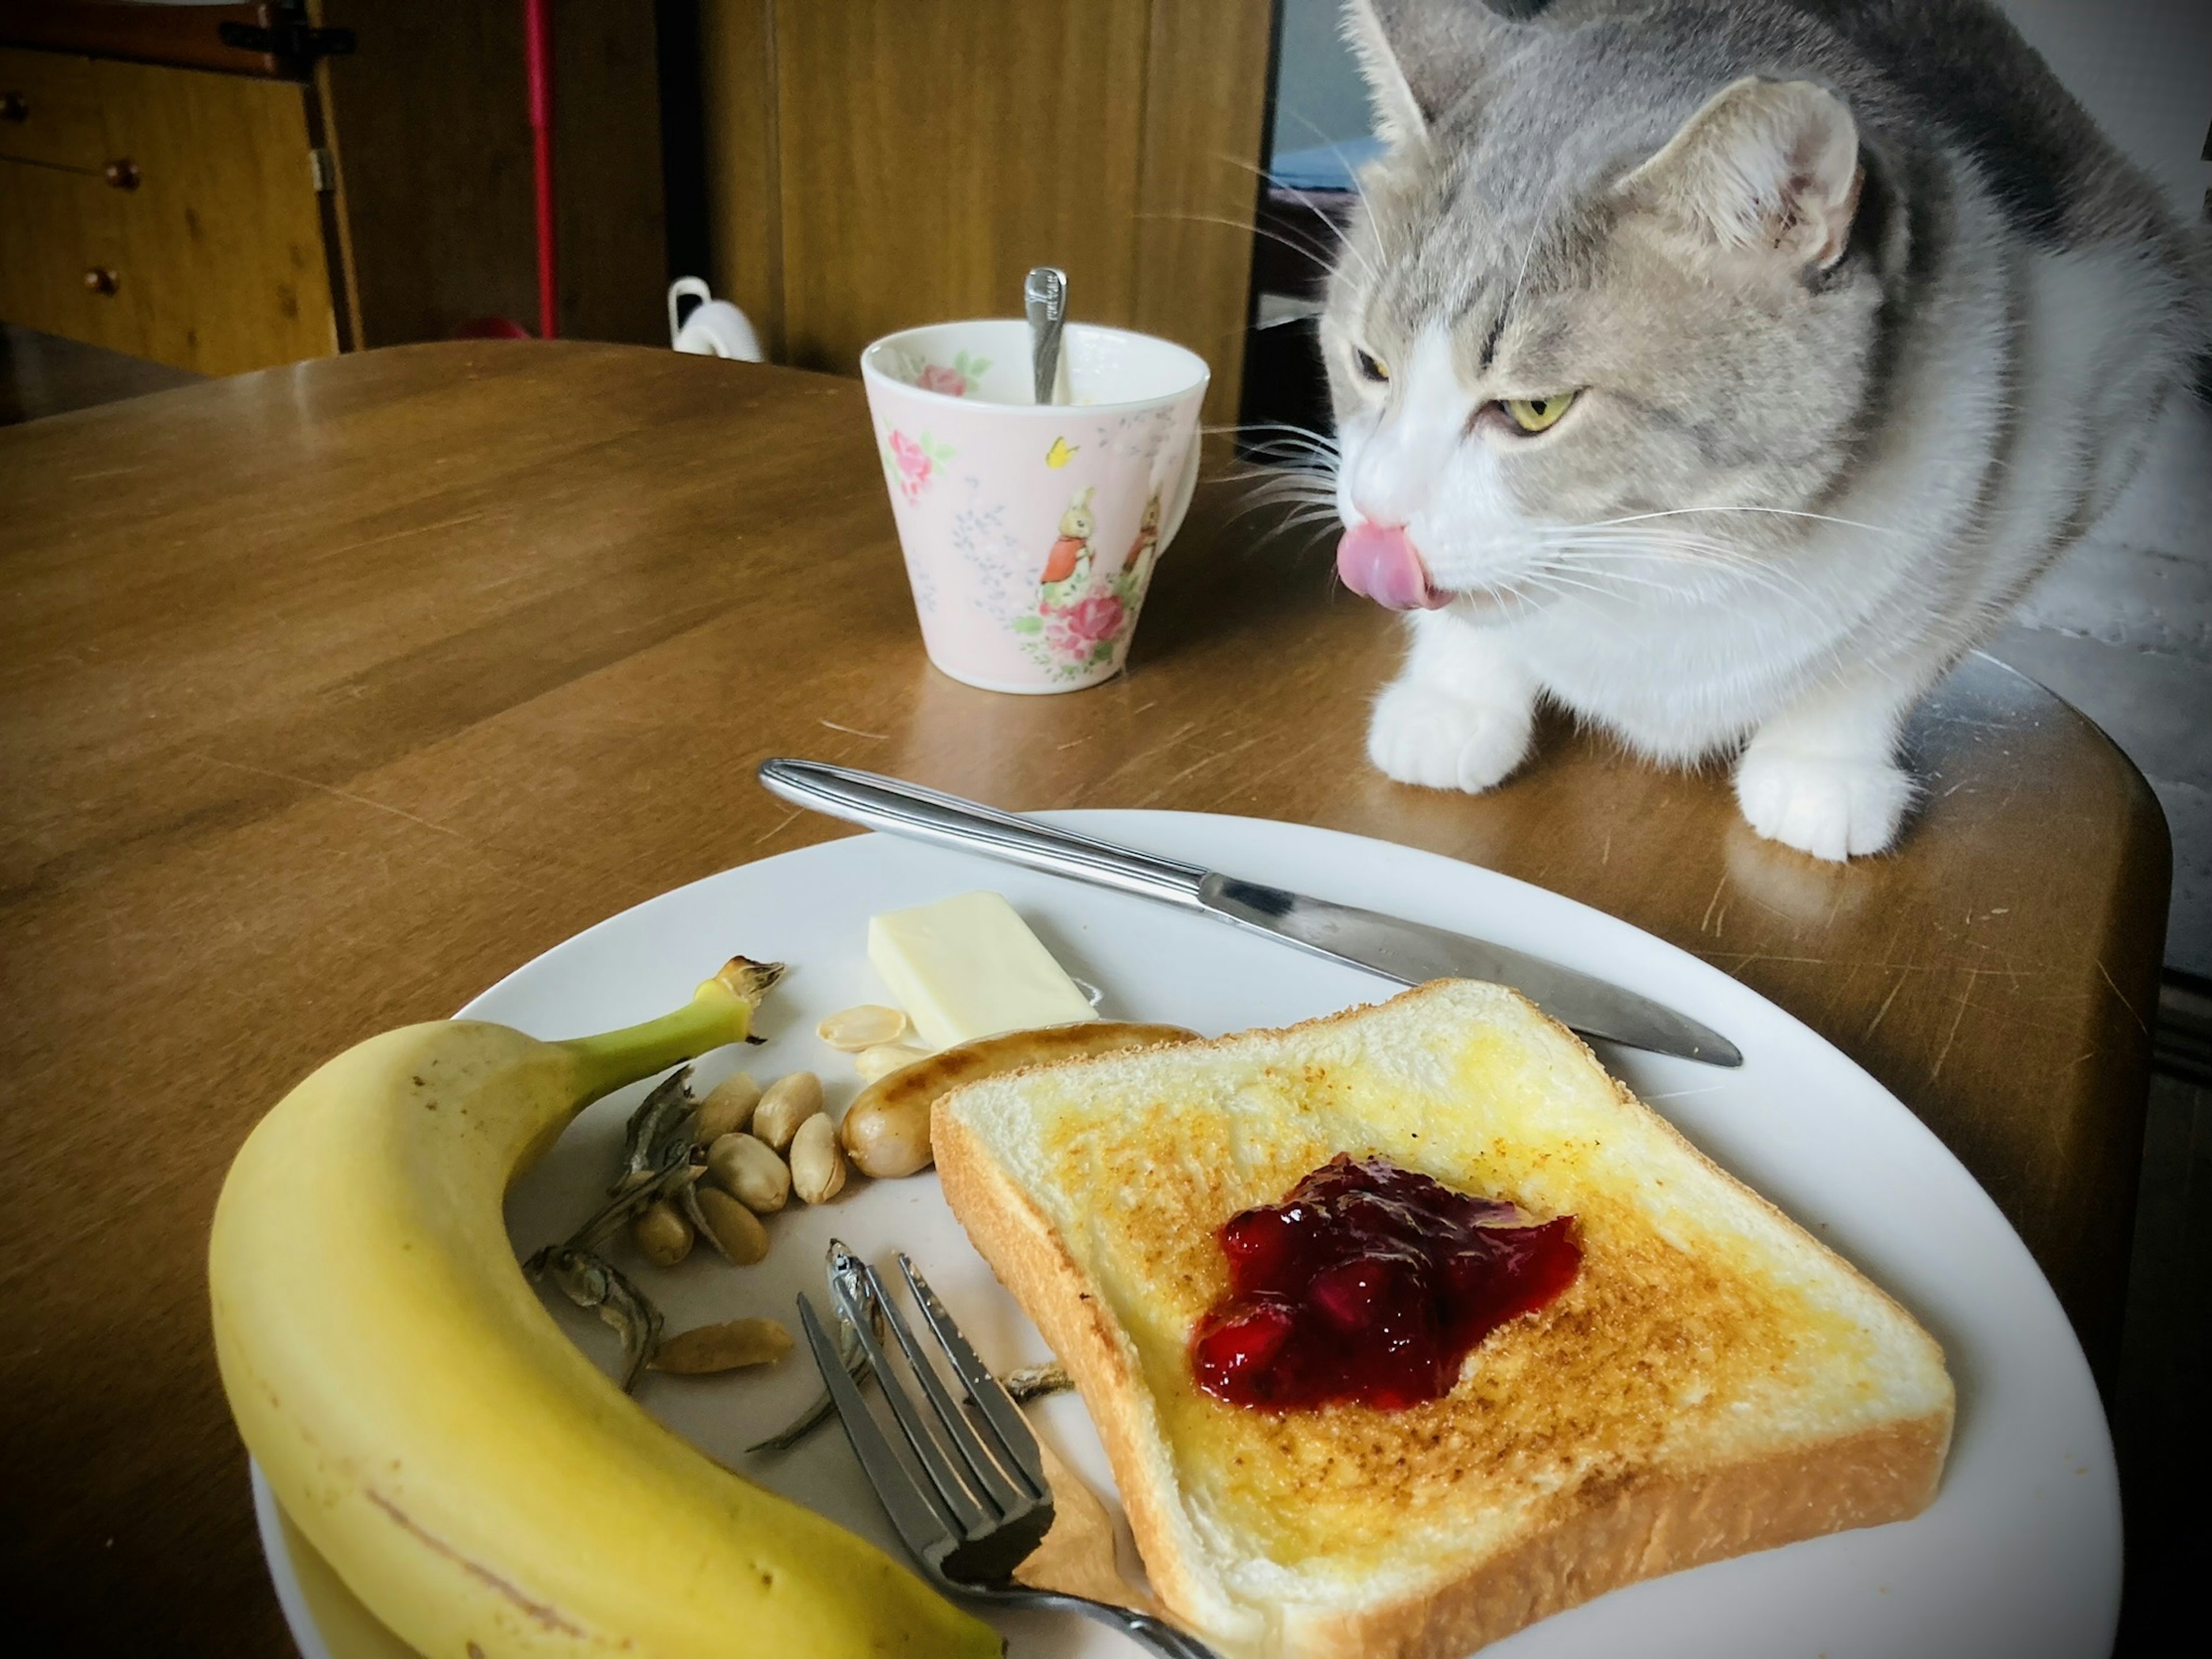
202,204
171,213
49,111
60,255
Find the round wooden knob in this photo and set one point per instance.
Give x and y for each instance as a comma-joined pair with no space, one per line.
13,107
122,174
99,279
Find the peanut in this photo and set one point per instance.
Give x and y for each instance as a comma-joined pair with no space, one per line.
787,1103
884,1059
726,1109
729,1227
751,1172
662,1233
723,1347
866,1026
817,1168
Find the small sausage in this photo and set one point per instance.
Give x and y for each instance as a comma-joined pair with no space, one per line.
886,1130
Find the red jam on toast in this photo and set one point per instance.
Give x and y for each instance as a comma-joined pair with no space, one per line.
1369,1283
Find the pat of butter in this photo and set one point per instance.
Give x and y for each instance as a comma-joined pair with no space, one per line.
968,967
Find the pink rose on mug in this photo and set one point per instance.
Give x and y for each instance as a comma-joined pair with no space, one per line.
1098,617
913,465
935,377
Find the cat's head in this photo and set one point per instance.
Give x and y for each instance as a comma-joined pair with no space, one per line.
1604,320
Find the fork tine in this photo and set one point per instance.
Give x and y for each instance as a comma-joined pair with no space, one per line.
1003,1417
853,1283
1010,1498
928,1529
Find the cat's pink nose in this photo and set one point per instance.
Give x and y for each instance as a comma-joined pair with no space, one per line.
1379,561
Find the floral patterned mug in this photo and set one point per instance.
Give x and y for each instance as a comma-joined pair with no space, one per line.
1031,532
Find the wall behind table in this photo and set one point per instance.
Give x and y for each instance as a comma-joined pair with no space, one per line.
876,164
431,123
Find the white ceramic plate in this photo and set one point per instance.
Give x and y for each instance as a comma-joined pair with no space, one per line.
2020,1556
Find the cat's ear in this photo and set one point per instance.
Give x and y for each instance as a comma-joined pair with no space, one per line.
1764,166
1419,55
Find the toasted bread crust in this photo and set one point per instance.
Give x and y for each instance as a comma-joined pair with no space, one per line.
1009,1233
1636,1527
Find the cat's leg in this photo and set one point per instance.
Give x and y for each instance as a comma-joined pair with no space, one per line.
1822,776
1459,714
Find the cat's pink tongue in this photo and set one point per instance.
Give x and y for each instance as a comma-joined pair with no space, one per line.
1379,561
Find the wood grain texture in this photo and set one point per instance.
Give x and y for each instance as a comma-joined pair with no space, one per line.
331,694
223,266
60,123
1205,106
876,165
188,36
744,198
430,121
930,155
55,224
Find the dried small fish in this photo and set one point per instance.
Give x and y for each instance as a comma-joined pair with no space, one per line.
609,1218
1028,1383
660,1125
590,1281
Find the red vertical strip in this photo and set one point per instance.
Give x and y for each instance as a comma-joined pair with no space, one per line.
538,54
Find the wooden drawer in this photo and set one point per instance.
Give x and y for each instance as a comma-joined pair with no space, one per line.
222,235
49,109
62,224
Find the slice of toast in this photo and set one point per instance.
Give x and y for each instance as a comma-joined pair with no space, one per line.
1714,1381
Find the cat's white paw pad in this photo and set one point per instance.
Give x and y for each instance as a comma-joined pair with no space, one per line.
1419,735
1831,807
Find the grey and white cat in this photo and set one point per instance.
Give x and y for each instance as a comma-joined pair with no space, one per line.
1723,370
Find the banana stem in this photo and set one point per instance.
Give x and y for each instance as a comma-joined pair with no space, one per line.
719,1012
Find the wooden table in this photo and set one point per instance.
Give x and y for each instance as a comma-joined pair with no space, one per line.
331,693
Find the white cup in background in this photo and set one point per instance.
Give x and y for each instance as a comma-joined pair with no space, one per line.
715,328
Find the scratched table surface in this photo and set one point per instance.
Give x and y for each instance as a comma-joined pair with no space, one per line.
331,693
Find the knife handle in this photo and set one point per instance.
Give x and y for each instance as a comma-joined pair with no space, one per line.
906,809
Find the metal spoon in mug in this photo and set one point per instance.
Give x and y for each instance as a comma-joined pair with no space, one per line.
1044,296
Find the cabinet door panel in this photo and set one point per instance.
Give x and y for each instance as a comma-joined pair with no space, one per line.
875,164
931,154
223,259
55,225
51,113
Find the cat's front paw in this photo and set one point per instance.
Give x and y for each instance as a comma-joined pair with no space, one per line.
1832,806
1424,735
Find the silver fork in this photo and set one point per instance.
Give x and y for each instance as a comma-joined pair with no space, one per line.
967,1489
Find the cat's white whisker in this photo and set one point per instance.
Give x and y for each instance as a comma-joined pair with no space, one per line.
1775,512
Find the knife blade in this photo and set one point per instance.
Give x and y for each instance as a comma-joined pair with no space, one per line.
1410,952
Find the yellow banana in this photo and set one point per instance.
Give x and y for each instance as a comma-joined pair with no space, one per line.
476,1480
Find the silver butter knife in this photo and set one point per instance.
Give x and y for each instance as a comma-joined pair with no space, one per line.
1410,952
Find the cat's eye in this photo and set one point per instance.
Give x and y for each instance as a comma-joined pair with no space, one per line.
1539,414
1371,367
